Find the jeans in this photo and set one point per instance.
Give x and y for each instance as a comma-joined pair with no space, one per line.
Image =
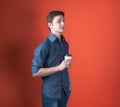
48,102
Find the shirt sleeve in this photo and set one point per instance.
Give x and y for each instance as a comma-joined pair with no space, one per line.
40,55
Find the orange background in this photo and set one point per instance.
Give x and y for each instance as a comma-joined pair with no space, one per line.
93,32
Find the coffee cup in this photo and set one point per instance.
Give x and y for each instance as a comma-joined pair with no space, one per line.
68,56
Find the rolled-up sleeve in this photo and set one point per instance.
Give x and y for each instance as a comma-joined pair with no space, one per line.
39,58
35,65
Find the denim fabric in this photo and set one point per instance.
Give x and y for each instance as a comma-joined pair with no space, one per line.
48,102
50,53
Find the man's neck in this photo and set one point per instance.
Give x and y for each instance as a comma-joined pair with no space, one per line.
58,35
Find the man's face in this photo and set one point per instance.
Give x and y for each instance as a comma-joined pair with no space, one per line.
58,24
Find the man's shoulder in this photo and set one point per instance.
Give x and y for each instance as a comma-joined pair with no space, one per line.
43,45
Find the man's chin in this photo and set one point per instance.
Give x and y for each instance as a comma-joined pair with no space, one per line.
61,31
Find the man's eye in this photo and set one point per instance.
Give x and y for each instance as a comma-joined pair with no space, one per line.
60,21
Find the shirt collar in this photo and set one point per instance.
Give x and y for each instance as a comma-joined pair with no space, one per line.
53,38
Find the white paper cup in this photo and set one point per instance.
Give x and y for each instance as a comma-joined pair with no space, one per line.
67,57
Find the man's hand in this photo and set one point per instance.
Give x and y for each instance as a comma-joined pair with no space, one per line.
65,64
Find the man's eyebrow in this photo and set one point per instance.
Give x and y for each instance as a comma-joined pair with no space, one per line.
60,19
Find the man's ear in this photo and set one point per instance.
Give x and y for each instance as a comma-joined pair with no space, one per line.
50,25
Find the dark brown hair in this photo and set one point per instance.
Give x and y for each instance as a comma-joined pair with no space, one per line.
52,14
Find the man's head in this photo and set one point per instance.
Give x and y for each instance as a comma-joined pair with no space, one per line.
52,14
55,21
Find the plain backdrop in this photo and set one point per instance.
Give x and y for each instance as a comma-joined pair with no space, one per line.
92,28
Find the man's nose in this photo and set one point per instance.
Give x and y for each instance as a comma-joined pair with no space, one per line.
62,23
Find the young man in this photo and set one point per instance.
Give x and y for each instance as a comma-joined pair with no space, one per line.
49,63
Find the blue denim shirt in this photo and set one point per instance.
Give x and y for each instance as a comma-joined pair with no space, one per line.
50,53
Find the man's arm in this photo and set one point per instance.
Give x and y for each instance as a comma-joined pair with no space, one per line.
48,71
